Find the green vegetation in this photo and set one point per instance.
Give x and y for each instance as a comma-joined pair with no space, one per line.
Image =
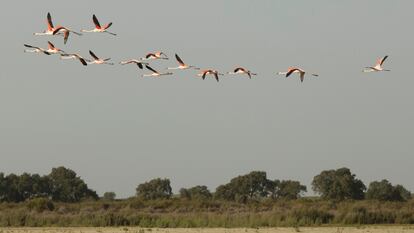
61,185
251,200
385,191
109,196
155,189
179,212
196,193
338,184
256,186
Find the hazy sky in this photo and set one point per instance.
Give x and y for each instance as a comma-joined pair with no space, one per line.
116,129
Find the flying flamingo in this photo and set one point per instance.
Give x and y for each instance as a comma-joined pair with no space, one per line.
182,65
35,49
292,70
378,66
155,73
98,27
52,49
240,70
75,56
204,73
134,61
155,56
66,31
50,28
99,61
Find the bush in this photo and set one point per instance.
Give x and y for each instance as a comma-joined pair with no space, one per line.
40,205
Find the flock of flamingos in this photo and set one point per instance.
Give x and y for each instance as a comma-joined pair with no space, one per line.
141,62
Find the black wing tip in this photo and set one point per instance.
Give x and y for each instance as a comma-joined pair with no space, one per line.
83,62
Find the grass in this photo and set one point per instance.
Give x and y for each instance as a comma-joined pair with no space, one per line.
371,229
178,213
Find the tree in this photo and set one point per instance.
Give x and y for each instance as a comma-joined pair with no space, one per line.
224,192
272,188
109,196
40,186
3,187
66,186
243,188
290,189
14,188
11,191
384,191
338,184
196,193
286,189
403,192
155,189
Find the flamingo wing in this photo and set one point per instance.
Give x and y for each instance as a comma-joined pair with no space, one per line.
383,60
96,22
238,69
149,55
180,61
302,76
51,46
49,22
30,46
58,29
149,68
107,26
216,76
66,36
93,55
291,71
139,64
82,61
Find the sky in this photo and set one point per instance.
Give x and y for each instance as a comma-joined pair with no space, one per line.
117,129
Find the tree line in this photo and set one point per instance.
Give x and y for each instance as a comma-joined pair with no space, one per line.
63,185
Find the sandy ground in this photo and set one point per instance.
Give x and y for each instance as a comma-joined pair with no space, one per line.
370,229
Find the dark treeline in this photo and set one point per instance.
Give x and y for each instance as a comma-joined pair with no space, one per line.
62,198
63,185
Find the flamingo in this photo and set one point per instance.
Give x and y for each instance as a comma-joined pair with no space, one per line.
182,65
53,50
155,73
241,70
204,73
99,61
66,31
98,27
35,49
134,61
155,56
301,72
75,56
378,66
50,27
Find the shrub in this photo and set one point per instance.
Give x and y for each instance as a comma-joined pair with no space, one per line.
40,205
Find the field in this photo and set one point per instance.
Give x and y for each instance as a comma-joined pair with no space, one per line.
370,229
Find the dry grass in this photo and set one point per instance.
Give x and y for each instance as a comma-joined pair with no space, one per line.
361,229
